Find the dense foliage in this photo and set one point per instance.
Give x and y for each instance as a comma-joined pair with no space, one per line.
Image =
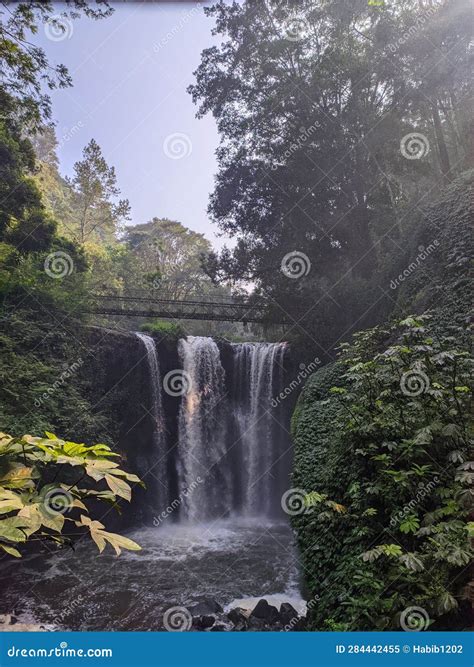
38,500
391,444
314,102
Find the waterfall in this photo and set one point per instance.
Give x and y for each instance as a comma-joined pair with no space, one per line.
258,377
202,464
233,439
159,470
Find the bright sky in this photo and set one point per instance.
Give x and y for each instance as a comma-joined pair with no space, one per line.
130,73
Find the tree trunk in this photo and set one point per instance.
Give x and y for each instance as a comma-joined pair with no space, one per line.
442,150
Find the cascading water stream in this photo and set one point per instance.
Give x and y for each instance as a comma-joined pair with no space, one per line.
202,464
159,471
258,377
232,440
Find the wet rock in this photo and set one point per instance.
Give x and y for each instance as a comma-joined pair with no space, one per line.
237,616
256,624
287,613
205,606
218,627
301,624
266,612
240,627
203,622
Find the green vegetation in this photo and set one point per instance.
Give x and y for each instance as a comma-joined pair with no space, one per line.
163,329
391,445
386,432
314,102
38,500
315,129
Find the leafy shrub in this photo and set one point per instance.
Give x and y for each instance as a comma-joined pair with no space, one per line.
163,329
36,511
390,444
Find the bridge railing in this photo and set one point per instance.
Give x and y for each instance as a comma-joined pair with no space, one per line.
207,307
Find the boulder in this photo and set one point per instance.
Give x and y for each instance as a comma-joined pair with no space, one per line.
237,616
218,627
205,606
287,613
203,622
266,612
256,624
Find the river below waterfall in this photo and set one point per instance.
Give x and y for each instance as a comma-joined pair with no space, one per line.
230,561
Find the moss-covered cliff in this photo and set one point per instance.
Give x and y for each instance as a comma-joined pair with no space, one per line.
370,448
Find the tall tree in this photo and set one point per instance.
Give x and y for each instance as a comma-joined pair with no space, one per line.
167,255
312,100
98,216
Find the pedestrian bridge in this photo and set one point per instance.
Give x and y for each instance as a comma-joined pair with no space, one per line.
223,309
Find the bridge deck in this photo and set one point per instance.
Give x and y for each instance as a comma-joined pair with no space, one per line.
186,309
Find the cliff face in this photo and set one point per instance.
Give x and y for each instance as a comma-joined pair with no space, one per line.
119,387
